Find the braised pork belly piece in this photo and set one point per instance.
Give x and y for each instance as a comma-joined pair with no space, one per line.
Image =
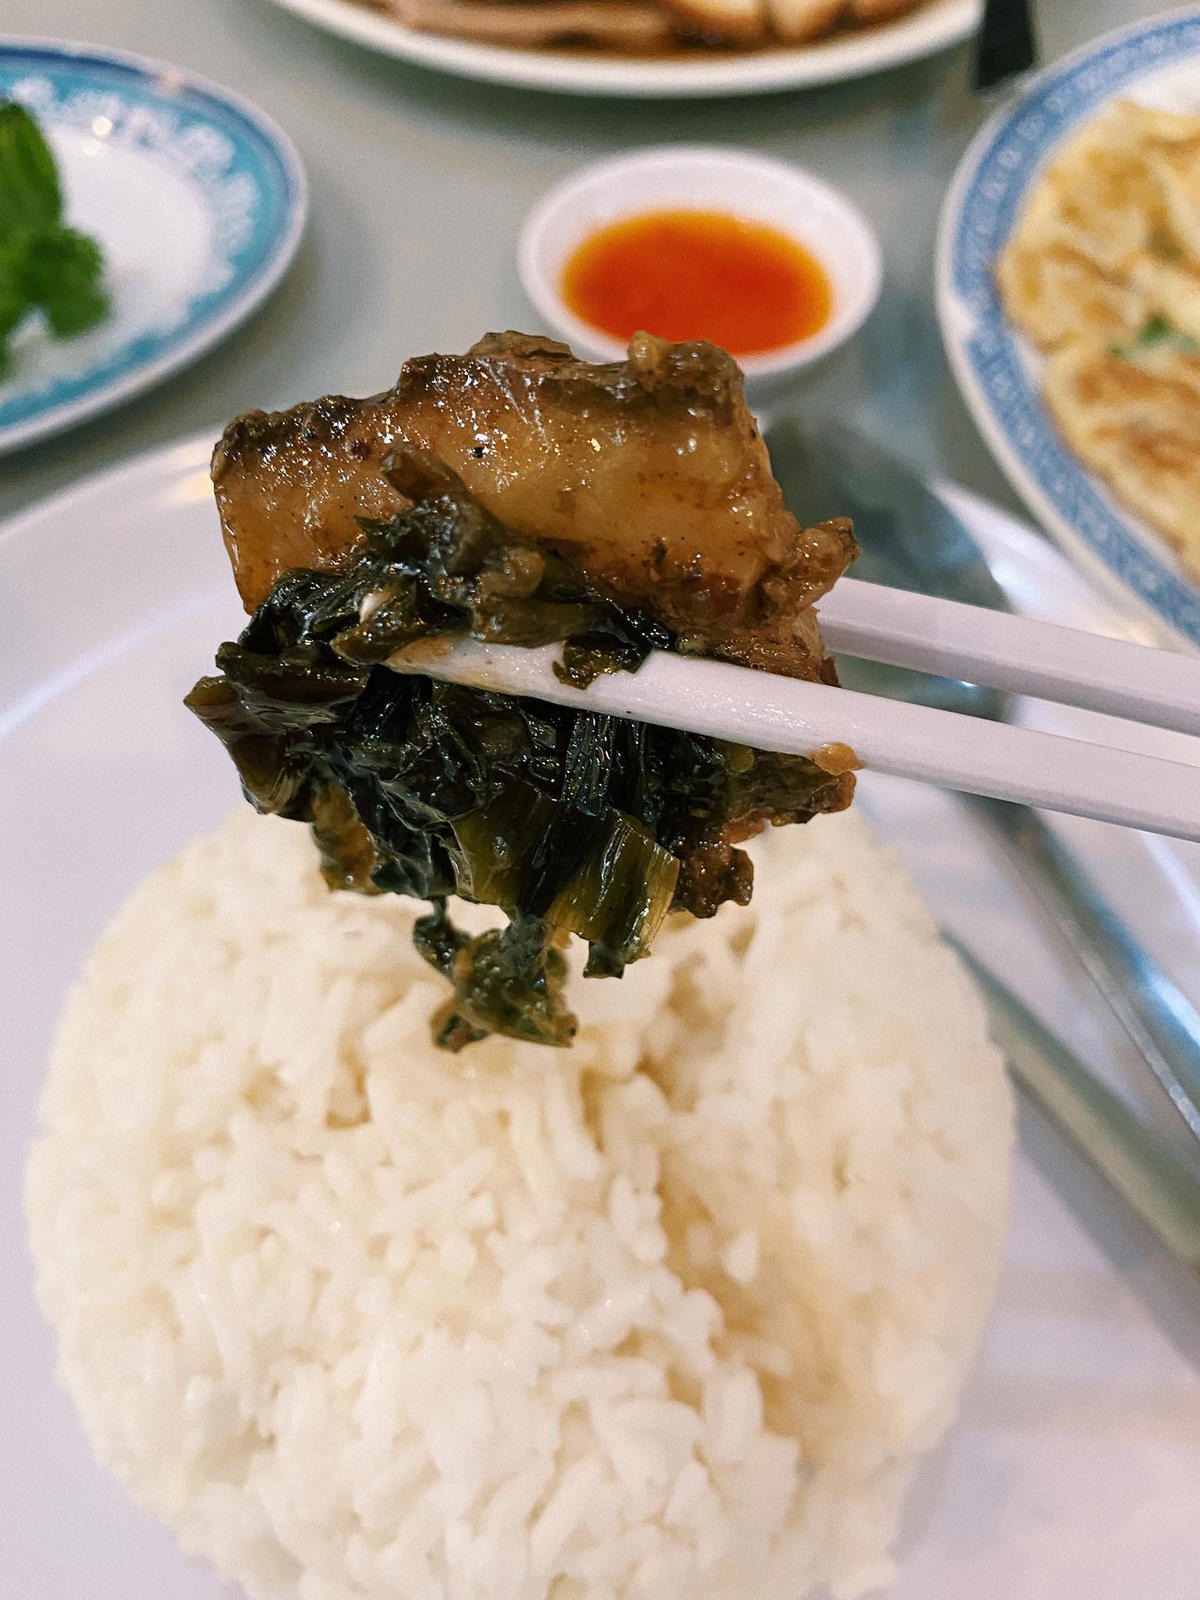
524,497
649,475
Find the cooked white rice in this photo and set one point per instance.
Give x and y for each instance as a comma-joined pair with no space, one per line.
664,1317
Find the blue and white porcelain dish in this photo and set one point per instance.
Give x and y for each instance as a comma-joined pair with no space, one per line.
197,199
1156,62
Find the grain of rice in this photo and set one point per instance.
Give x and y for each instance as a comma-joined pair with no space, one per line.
670,1314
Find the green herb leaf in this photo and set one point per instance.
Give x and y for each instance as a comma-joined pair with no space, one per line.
1154,331
30,193
1157,333
44,265
64,279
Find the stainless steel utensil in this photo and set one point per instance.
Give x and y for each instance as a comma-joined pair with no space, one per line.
1163,1193
911,540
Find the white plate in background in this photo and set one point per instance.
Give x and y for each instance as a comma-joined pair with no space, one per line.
1072,1471
936,26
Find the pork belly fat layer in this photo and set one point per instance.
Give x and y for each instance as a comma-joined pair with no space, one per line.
648,474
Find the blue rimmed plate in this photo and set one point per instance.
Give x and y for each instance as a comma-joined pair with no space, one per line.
197,199
1158,63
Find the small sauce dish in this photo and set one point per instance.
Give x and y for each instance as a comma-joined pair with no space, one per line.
747,215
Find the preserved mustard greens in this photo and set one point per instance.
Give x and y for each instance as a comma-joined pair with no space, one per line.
45,266
570,821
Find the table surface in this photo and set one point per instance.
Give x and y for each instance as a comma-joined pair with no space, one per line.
420,182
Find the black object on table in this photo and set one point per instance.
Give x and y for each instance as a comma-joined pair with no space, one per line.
1005,45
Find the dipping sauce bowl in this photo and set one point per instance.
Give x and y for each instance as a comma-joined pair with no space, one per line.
710,243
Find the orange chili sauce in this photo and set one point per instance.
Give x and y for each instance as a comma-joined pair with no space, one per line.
698,275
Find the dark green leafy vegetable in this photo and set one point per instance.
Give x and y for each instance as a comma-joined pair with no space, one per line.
570,821
44,265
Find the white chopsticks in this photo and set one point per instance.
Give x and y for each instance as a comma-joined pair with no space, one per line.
939,747
1011,653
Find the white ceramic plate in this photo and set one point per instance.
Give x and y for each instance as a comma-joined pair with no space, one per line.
1157,62
1072,1472
939,24
198,202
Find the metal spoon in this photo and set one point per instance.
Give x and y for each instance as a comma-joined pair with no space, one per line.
913,541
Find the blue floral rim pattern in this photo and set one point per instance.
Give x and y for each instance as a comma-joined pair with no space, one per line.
1012,153
245,170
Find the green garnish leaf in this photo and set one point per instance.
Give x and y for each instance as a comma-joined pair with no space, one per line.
65,280
1155,330
44,265
1157,333
30,193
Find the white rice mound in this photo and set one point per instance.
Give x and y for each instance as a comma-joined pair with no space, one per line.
668,1316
